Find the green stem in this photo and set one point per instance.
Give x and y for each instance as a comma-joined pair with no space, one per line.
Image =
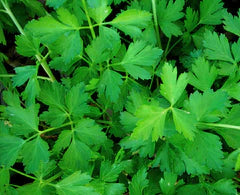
170,49
104,122
85,60
9,12
23,174
132,80
54,128
167,47
150,86
6,75
43,78
116,64
53,178
15,186
156,23
88,19
47,130
45,67
97,104
219,125
12,75
1,10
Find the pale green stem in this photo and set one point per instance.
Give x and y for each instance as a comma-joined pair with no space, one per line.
156,23
12,75
23,174
219,125
88,19
53,178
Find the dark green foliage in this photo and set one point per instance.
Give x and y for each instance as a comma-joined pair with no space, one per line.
119,97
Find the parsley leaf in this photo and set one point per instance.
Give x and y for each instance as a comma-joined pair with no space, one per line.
9,148
184,122
99,10
139,182
191,20
138,56
75,183
232,23
23,74
76,157
105,46
89,132
109,84
217,47
209,106
151,122
168,14
25,120
172,88
27,45
132,21
211,12
35,152
230,135
203,75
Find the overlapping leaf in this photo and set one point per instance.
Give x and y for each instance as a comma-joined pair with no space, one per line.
9,148
99,10
139,182
209,106
132,21
35,152
139,56
203,75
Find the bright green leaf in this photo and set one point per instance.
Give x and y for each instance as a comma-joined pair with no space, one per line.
151,122
132,21
169,183
99,10
184,122
168,14
114,188
231,135
217,47
54,116
172,88
232,23
202,76
209,106
138,56
23,74
27,46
